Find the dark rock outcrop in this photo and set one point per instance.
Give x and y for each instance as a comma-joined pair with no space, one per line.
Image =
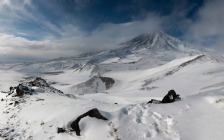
94,85
39,82
109,82
61,130
16,103
170,97
22,89
26,87
42,83
91,113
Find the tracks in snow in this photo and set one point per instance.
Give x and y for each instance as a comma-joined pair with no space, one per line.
141,123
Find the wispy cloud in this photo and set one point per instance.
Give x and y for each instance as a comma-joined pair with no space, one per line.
13,42
64,39
73,41
207,28
54,32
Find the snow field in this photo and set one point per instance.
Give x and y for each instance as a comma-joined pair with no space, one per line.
198,116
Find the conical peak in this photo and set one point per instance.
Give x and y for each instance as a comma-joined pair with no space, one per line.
158,41
151,35
146,38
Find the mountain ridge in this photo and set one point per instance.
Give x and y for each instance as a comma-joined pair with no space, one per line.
157,46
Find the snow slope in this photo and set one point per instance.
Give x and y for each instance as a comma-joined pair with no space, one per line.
197,116
139,74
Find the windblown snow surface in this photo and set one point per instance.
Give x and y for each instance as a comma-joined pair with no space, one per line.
198,116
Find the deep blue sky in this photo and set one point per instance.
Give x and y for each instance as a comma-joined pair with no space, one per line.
90,14
71,27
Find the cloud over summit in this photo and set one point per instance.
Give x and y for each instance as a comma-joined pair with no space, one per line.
57,28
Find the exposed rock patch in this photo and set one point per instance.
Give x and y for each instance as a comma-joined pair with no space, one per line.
109,82
170,97
39,82
94,113
94,85
42,83
61,130
28,88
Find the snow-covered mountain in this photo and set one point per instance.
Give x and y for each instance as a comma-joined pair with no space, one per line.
154,49
140,53
119,83
158,41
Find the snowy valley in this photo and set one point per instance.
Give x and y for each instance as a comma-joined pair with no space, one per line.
119,83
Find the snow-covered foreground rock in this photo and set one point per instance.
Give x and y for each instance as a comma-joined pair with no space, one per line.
137,77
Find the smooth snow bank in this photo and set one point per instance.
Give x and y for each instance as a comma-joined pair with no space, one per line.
9,78
130,59
111,60
130,80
